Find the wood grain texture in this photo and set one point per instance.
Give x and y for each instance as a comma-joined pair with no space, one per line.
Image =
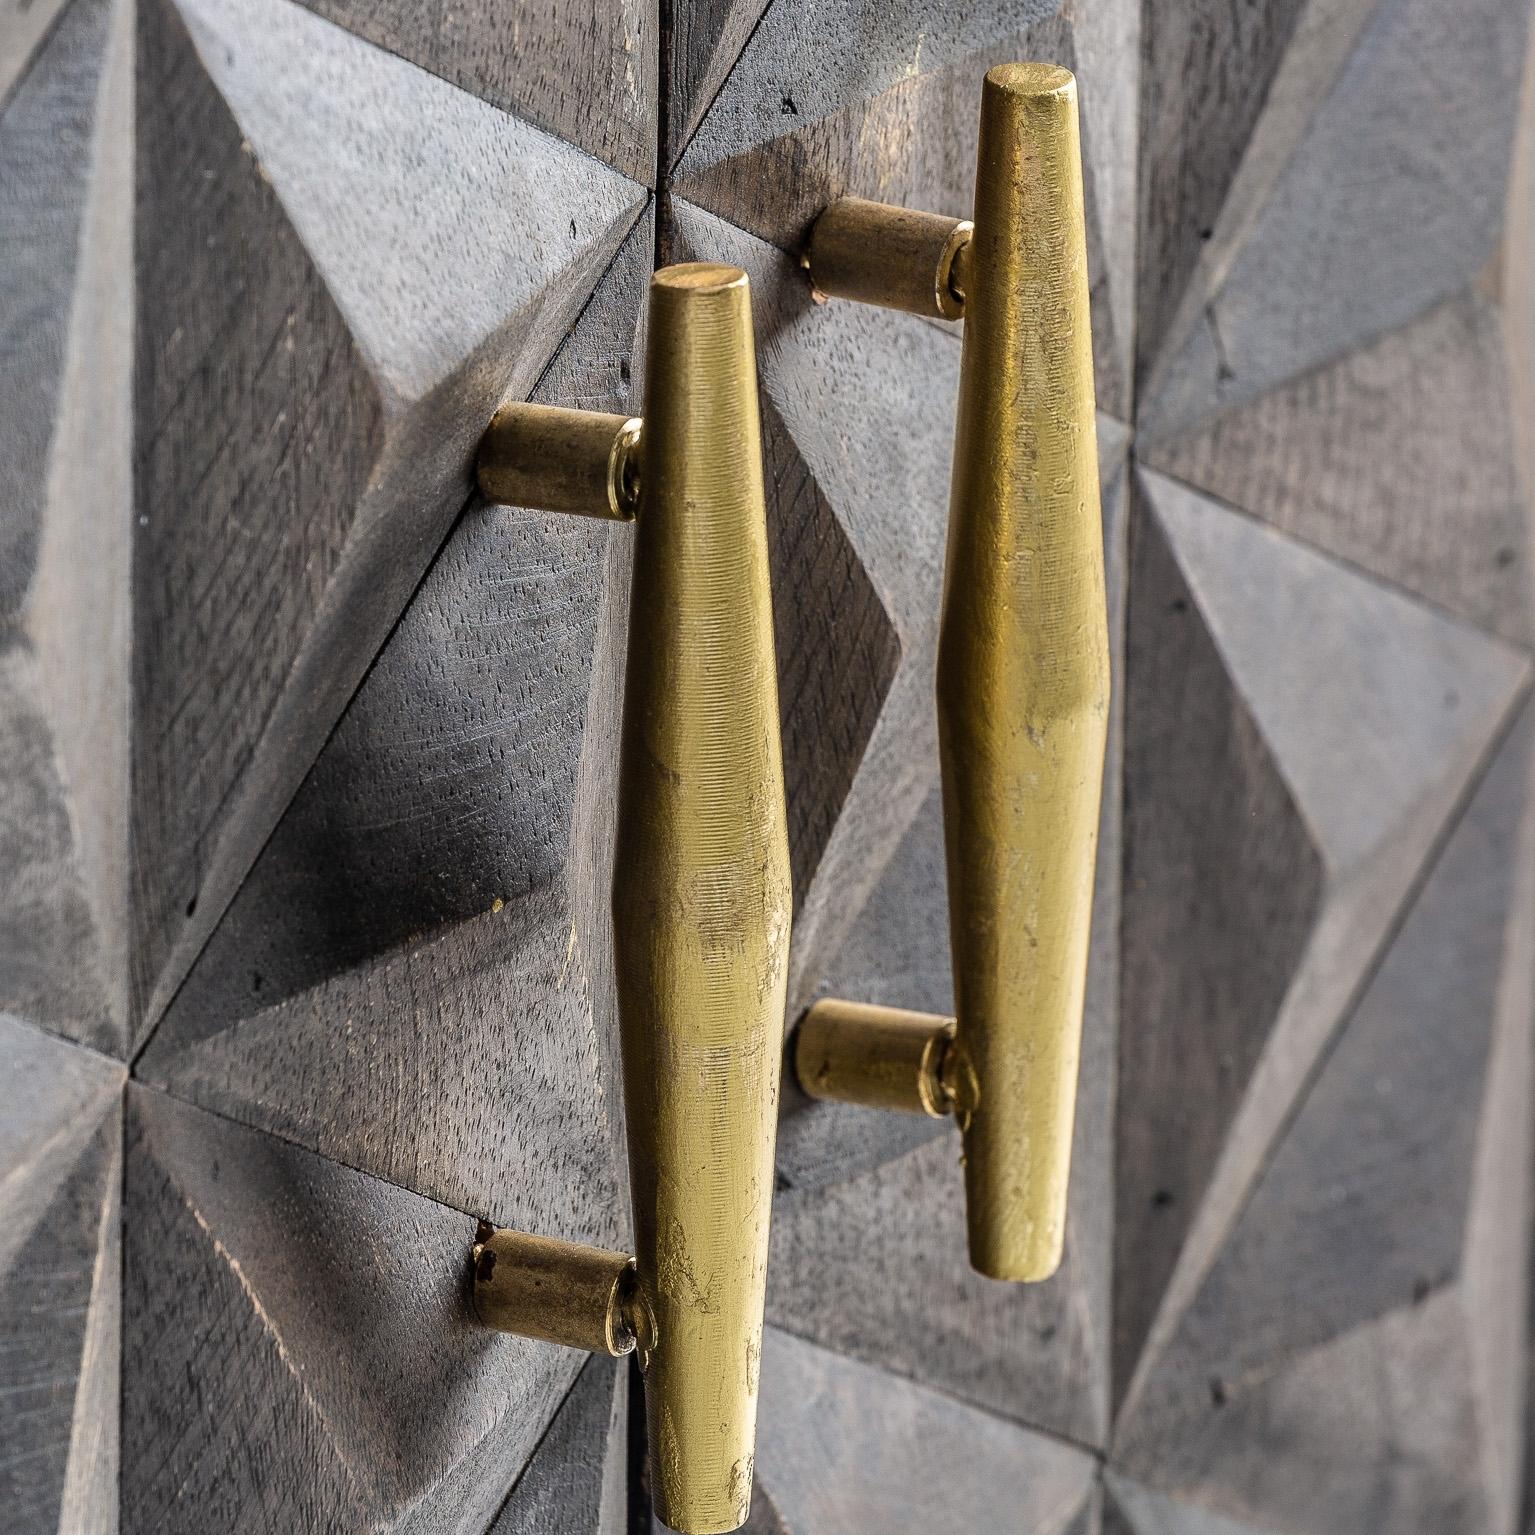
764,1518
816,108
1389,201
1401,457
838,651
874,1267
326,1314
64,528
1207,68
1131,1509
1436,690
575,1483
51,970
79,610
60,1169
25,26
45,145
843,1446
1361,1210
705,38
586,72
319,348
266,269
368,894
1222,885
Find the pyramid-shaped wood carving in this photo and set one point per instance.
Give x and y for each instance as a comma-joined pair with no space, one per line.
307,760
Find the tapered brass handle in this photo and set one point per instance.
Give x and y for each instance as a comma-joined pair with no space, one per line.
701,890
1023,674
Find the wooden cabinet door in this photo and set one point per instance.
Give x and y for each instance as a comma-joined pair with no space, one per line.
307,761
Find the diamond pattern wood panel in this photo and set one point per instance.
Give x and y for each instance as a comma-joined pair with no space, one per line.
307,761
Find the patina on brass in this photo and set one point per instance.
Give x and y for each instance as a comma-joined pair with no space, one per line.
1023,678
701,895
882,1057
560,460
895,258
562,1292
701,890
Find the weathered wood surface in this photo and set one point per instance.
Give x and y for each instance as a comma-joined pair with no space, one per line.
576,1482
1401,457
261,655
60,1175
1206,69
586,72
377,940
1372,756
298,1347
1372,194
822,104
370,260
844,1447
64,516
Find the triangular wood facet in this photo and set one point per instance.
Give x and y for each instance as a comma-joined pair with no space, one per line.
358,357
324,1311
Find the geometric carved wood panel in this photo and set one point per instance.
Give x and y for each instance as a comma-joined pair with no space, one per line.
307,760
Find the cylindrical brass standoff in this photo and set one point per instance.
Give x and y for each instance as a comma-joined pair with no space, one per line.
1023,679
701,896
881,1057
551,459
893,257
561,1292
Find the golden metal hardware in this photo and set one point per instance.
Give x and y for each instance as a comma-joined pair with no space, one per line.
1023,677
561,1292
881,1057
701,891
578,461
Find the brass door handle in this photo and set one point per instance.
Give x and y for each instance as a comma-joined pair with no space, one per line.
701,894
1023,675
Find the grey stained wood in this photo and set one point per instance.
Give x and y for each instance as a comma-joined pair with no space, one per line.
813,110
326,1314
1206,71
874,1267
586,72
764,1518
25,26
1222,885
838,650
576,1482
367,266
63,558
1377,712
1361,1213
704,39
51,969
79,606
45,144
1390,200
60,1172
450,781
326,746
1131,1509
367,893
845,1448
1401,457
